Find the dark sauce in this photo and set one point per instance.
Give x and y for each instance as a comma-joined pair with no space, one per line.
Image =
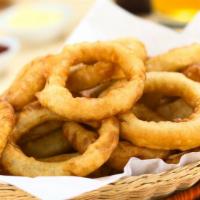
3,48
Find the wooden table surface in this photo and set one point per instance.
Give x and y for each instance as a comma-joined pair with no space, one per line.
27,53
192,193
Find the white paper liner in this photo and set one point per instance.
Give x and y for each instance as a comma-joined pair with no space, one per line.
105,21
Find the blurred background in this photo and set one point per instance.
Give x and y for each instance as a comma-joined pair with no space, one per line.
31,28
175,13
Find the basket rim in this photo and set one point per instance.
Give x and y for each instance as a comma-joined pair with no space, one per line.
148,186
144,186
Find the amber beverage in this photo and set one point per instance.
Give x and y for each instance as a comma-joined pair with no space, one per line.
180,11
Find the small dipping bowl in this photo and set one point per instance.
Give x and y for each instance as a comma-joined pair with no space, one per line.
35,23
8,49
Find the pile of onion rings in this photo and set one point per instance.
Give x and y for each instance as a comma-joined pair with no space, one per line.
90,108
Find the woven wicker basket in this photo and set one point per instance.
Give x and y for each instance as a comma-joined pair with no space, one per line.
136,187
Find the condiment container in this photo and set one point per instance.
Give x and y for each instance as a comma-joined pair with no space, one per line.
8,49
35,23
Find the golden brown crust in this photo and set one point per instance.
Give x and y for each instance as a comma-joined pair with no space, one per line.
139,109
94,157
80,138
32,77
58,98
89,76
32,115
175,59
7,122
41,130
28,82
165,134
176,110
192,72
59,158
51,144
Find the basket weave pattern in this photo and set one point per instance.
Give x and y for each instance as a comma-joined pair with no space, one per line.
136,187
9,192
148,186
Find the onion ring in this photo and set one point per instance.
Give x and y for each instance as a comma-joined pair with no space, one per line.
58,98
135,46
102,171
192,72
91,75
49,145
146,114
32,115
153,100
29,81
175,59
166,135
41,130
94,92
95,156
175,157
80,138
7,122
175,110
32,77
125,150
92,124
59,158
140,110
